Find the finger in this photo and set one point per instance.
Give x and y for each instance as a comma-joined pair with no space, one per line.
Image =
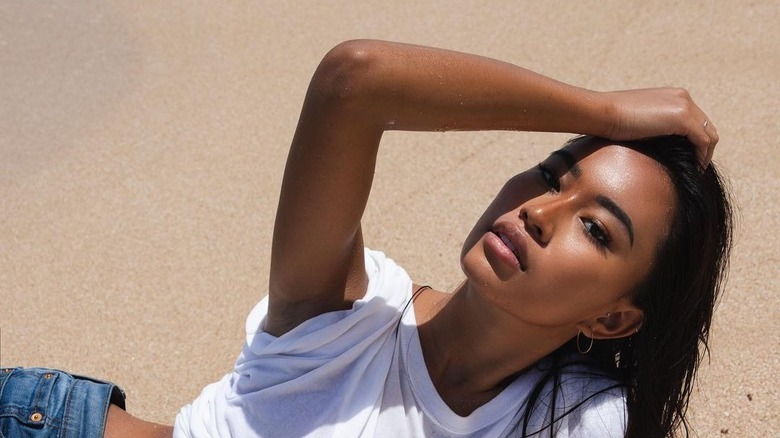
713,131
702,142
708,158
705,154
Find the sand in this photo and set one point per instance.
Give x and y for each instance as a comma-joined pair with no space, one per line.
142,147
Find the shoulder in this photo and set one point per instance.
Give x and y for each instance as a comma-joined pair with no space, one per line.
386,279
581,401
595,404
389,288
604,415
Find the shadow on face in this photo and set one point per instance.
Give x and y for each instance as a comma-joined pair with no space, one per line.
585,226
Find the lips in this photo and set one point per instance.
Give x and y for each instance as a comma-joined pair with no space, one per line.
510,245
511,239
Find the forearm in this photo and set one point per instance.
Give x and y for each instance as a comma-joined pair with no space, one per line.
391,86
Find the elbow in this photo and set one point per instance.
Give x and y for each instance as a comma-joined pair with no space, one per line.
345,73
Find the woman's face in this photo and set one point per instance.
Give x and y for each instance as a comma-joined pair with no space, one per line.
568,240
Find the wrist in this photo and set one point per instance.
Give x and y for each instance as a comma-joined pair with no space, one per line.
600,114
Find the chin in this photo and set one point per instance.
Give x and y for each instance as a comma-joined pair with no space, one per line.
476,267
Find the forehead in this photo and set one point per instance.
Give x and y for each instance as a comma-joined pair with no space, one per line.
635,182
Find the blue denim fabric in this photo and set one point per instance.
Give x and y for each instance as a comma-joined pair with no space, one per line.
39,402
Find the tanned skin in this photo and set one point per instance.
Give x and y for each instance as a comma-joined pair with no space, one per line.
363,88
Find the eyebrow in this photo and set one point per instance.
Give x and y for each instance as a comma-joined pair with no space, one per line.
618,212
602,200
570,161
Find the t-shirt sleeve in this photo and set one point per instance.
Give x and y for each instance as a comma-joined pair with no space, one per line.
332,333
336,356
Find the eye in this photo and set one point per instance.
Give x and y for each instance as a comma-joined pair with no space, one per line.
595,233
549,178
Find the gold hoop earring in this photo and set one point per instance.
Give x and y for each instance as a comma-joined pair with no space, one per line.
589,345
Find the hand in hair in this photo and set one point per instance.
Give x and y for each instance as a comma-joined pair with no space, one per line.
654,112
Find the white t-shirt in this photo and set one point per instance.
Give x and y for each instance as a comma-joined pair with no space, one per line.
360,372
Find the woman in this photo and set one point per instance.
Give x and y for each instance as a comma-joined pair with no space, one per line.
587,297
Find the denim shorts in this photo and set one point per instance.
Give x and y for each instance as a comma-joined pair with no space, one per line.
39,402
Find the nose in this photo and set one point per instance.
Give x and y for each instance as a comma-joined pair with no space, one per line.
540,218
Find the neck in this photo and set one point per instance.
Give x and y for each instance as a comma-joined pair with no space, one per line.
473,349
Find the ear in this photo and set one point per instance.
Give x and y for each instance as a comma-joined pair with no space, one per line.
619,323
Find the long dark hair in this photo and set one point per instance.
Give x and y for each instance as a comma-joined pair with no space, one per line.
657,365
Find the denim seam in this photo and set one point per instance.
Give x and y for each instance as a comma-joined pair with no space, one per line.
66,413
106,407
37,397
5,379
2,387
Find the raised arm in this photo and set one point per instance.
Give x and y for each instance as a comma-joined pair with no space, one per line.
361,89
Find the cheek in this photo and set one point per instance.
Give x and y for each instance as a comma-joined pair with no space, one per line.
574,270
571,246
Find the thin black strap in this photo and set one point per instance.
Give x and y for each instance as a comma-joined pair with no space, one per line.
419,291
408,304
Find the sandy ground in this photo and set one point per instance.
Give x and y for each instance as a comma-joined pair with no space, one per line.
142,147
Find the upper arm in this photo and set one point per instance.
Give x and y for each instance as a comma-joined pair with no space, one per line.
317,251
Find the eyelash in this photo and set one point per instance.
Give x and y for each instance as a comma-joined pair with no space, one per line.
592,230
549,178
599,237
